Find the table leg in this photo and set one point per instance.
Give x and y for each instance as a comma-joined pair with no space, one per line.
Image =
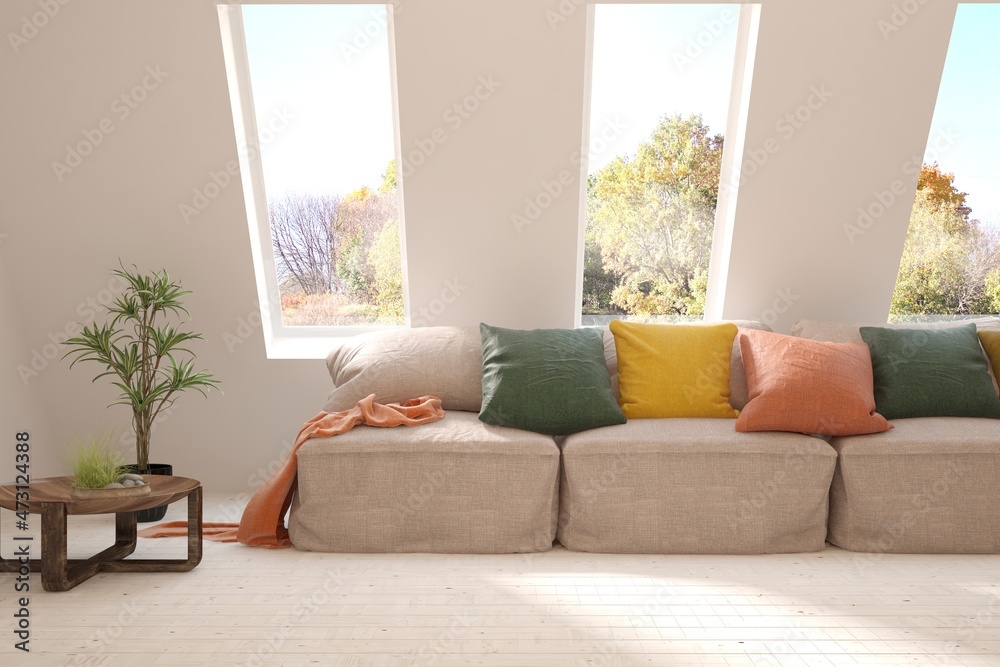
58,574
194,547
125,543
195,528
126,528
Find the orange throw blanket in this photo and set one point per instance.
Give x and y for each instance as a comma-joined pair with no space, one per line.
263,520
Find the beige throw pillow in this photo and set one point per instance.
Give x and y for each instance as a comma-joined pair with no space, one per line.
401,364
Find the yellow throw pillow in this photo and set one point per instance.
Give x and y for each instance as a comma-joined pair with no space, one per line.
990,340
674,370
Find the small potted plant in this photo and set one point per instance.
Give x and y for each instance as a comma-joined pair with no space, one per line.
146,357
99,472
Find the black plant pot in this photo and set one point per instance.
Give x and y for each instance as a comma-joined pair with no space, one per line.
153,513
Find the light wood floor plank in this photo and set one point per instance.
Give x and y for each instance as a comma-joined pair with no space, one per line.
245,606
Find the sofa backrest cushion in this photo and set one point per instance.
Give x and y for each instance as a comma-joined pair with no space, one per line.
841,332
738,396
447,362
401,364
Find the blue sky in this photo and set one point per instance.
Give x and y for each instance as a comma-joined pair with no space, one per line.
329,65
311,59
643,69
969,104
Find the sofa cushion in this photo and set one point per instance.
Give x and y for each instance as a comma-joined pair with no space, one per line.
990,340
693,486
452,486
930,373
841,332
552,381
737,378
401,364
807,386
927,486
674,370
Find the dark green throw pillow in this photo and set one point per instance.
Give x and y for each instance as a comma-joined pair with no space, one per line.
552,381
930,373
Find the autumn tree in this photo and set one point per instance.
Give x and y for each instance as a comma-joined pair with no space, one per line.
302,233
950,261
366,213
651,217
386,262
385,253
940,189
344,251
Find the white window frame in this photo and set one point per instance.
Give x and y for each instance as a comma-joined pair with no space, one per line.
280,341
732,161
732,158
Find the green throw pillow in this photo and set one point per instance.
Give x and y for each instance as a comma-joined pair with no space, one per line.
552,381
930,373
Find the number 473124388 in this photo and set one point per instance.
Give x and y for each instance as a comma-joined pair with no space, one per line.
22,463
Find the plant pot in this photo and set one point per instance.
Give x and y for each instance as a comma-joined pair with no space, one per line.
78,493
153,513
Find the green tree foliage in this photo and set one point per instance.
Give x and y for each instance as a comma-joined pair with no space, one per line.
388,179
598,283
650,222
650,219
949,263
356,276
385,259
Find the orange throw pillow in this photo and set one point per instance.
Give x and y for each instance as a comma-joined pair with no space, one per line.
807,386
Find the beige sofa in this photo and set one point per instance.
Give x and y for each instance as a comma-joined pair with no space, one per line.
461,486
928,485
648,486
452,486
693,485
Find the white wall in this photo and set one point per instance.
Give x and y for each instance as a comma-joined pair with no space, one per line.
789,242
123,200
22,408
459,204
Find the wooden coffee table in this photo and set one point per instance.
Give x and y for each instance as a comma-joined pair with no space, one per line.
50,497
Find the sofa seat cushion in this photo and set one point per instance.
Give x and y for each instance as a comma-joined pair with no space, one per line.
452,486
929,485
693,486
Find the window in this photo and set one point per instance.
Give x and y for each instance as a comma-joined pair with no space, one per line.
951,259
660,88
314,96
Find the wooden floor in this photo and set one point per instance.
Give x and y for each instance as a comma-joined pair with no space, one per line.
245,606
